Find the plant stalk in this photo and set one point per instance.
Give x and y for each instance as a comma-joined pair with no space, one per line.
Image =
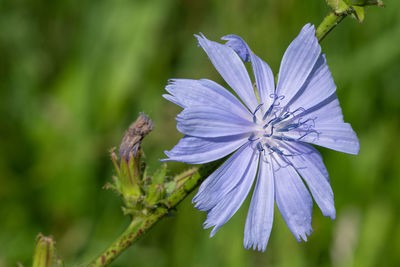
328,24
141,224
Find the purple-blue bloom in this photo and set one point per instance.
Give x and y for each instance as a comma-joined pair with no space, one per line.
268,132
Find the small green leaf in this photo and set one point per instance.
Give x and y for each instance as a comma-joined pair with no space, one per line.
359,13
170,187
155,193
159,175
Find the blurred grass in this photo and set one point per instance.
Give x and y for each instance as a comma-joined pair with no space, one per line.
74,74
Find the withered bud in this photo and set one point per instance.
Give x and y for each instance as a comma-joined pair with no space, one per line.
134,136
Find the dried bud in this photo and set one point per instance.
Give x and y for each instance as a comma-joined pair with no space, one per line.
134,136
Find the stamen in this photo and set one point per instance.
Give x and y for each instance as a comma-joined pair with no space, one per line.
251,137
284,138
257,108
274,104
268,111
310,119
259,147
270,134
266,125
300,109
281,97
255,111
309,131
284,117
288,127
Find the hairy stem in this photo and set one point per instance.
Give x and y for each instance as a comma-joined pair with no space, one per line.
327,25
141,224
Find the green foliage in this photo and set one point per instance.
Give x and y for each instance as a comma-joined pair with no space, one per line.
338,6
140,193
75,74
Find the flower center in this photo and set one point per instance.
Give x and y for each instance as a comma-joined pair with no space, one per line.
276,126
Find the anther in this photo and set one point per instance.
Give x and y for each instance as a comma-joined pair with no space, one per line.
284,138
271,133
259,147
251,138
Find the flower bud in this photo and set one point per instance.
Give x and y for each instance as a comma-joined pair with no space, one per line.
128,180
156,190
44,252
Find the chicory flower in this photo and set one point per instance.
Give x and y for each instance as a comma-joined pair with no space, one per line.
268,131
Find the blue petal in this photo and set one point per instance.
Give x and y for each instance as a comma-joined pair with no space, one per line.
316,88
327,110
293,201
262,72
224,179
311,167
336,136
232,69
239,45
329,129
196,150
231,202
186,93
297,63
208,121
261,212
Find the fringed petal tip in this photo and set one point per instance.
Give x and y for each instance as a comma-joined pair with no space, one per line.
308,27
303,235
208,224
255,246
199,36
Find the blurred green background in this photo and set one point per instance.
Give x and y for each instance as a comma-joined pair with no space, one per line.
75,74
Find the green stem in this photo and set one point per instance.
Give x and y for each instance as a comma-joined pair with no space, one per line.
327,25
142,224
135,230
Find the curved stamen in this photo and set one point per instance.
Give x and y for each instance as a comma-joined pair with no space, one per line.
259,147
273,105
255,111
310,119
284,138
268,123
251,138
268,111
257,108
300,109
270,134
293,126
309,131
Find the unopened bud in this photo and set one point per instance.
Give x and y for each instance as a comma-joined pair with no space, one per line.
44,252
128,181
156,190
